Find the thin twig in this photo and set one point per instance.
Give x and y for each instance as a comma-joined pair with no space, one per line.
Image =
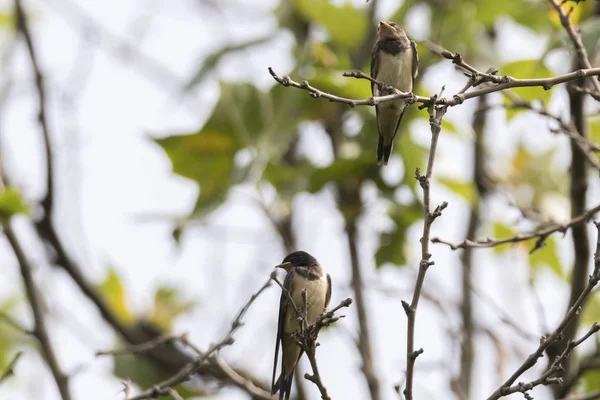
142,347
164,388
40,329
507,83
575,37
13,323
541,235
10,368
436,113
587,147
23,28
546,341
555,367
307,341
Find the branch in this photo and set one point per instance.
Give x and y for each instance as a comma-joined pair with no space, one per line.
586,146
546,341
165,388
307,340
555,367
16,325
575,37
467,353
436,113
40,329
540,235
23,28
364,332
507,82
10,369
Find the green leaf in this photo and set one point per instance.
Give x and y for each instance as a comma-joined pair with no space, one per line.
356,169
392,244
345,24
11,203
591,310
145,373
527,69
167,306
207,158
466,190
501,231
413,156
547,256
111,289
527,13
591,381
7,20
334,82
590,33
10,337
594,128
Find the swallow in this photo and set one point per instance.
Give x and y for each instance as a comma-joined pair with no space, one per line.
395,63
303,272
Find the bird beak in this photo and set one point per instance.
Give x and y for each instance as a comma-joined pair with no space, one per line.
286,266
386,30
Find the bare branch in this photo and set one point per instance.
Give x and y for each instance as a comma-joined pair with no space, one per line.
575,37
546,341
23,28
507,83
40,330
542,235
165,388
436,113
555,367
307,341
585,145
16,325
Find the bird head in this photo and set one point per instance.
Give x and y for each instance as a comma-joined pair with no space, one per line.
390,30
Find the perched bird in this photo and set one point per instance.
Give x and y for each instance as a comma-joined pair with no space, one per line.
395,63
303,272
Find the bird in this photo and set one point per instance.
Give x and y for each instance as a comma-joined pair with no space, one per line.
395,63
303,272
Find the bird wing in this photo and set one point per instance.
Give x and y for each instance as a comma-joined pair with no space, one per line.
415,66
374,65
374,69
328,295
283,302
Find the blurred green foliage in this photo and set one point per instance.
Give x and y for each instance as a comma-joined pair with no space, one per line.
11,203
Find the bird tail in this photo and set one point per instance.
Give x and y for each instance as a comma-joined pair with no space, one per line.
283,386
383,151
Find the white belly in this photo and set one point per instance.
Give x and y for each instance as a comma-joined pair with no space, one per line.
316,292
395,71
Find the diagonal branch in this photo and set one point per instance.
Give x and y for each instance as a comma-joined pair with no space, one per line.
541,235
575,37
23,28
555,336
40,329
165,388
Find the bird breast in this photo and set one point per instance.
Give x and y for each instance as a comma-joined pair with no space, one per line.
316,293
396,70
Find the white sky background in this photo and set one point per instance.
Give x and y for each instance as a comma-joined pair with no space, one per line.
116,191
